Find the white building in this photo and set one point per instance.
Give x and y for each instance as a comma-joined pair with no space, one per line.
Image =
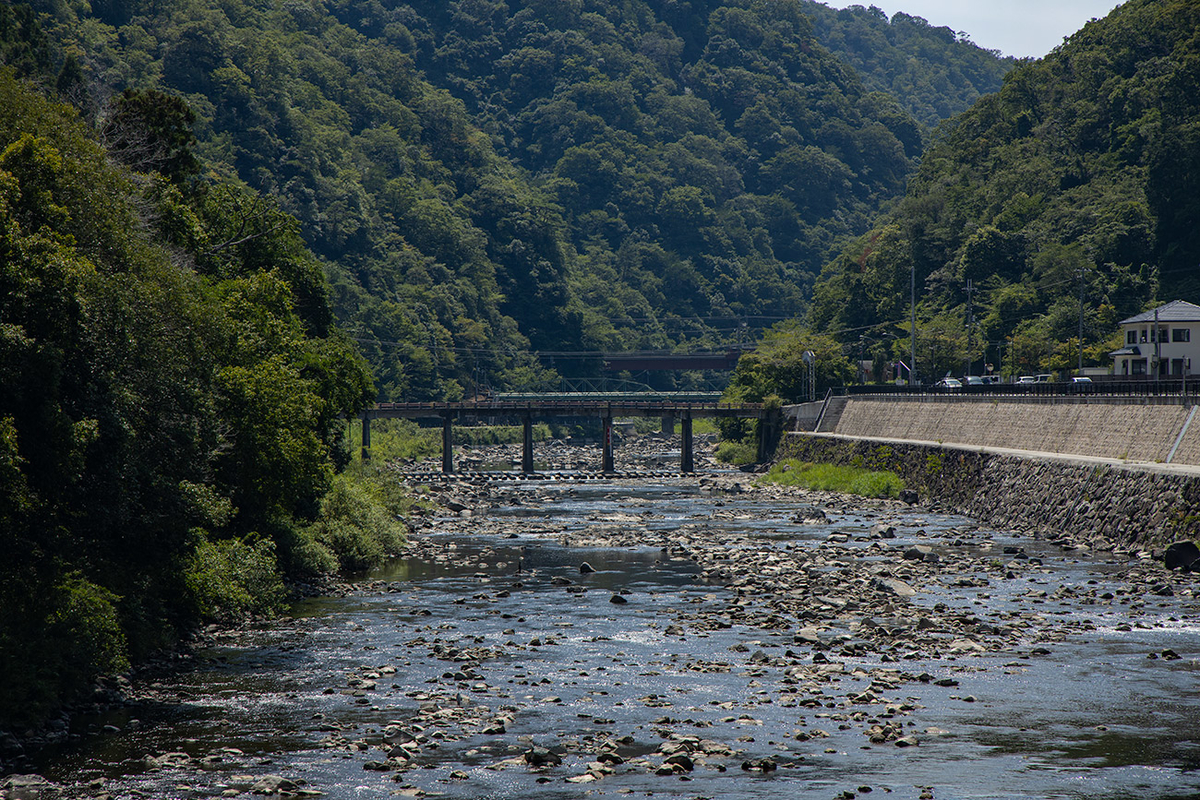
1166,338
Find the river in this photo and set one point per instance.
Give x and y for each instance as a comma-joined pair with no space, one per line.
722,642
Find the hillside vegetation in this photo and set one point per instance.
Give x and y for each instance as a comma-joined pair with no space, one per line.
1080,176
933,71
172,392
482,179
212,210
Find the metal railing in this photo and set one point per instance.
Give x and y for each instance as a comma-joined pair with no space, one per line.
1142,388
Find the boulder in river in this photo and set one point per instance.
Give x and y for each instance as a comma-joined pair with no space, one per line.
1182,555
274,784
542,757
27,787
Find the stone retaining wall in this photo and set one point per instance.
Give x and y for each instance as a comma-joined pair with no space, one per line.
1134,429
1105,507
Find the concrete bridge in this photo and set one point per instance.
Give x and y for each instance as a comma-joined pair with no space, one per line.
590,406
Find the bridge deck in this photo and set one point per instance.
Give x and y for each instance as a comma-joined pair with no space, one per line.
567,408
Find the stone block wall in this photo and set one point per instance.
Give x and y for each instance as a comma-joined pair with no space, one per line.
1105,507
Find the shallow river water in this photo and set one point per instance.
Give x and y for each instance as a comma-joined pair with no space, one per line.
471,653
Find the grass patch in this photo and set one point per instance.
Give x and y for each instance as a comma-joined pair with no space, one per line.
832,478
736,453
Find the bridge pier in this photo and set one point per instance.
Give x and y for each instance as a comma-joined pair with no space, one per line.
527,443
668,424
606,456
447,444
366,439
770,428
687,464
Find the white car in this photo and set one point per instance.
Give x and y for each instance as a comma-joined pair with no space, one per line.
949,383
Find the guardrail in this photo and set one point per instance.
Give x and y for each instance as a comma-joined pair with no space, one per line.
1160,388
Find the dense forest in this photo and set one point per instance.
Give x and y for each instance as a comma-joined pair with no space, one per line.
482,180
226,224
173,394
1072,193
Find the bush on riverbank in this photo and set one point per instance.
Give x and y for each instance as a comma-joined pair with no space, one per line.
228,580
833,478
736,453
360,523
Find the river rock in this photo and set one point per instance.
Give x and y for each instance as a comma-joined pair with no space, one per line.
681,761
542,757
274,784
28,787
586,568
1182,555
896,587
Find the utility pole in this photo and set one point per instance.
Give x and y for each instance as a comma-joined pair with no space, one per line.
970,327
912,335
1082,272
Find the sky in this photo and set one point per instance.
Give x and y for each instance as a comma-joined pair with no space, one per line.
1014,27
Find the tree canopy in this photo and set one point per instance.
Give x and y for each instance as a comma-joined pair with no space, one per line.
172,393
482,180
1077,179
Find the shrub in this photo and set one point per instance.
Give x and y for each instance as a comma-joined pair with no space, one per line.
358,522
229,579
87,624
736,453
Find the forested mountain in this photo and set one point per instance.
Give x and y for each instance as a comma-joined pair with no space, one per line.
484,178
1081,175
933,71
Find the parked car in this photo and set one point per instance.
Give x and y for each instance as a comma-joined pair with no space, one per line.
1045,377
1081,379
972,380
1026,380
949,383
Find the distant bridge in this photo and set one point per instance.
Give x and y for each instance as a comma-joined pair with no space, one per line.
591,405
661,361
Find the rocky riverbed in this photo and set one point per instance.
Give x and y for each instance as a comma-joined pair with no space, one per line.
693,637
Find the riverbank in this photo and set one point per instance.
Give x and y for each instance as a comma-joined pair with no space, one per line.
707,630
1081,502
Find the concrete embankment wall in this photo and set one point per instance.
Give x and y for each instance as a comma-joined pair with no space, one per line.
1129,429
1104,506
